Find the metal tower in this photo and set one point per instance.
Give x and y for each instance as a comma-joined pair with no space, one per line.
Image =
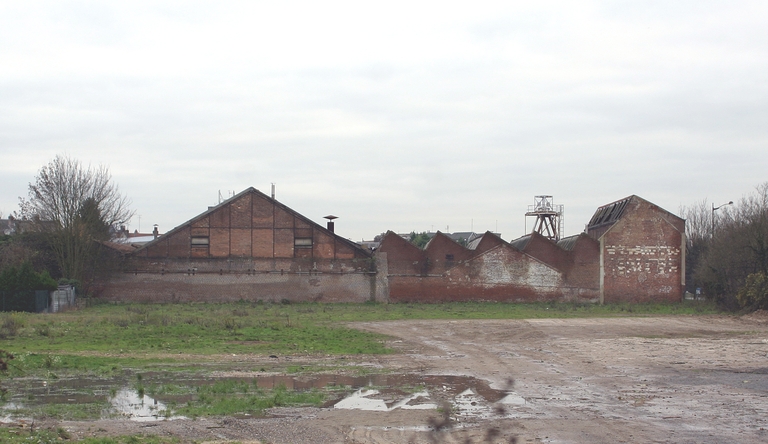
549,217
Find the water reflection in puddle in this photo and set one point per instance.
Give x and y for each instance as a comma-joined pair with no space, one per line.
128,403
468,396
361,400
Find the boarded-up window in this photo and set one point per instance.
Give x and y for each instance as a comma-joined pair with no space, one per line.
302,242
200,241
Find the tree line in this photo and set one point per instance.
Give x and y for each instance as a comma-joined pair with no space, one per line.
727,250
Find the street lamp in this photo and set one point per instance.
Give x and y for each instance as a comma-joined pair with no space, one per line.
714,208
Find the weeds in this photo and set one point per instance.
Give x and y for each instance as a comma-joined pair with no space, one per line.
10,324
50,436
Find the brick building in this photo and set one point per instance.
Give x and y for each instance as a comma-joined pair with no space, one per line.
490,269
632,250
249,247
642,251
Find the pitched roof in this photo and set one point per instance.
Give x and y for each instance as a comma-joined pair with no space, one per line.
253,190
608,214
567,243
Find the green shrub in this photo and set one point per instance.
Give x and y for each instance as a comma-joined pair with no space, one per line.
754,293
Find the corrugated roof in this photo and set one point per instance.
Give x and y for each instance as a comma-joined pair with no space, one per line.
521,242
567,243
608,214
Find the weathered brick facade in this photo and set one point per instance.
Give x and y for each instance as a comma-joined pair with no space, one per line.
252,247
493,271
642,251
632,251
249,247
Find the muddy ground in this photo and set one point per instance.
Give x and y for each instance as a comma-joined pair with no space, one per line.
648,379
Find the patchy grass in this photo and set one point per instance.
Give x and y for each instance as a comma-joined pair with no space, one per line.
70,411
45,436
167,329
229,397
115,341
108,338
205,329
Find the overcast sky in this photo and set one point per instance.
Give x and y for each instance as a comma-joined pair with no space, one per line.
395,116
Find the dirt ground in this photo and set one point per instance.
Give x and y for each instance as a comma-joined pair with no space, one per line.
660,380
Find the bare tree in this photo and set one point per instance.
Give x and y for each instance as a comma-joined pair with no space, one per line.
76,206
737,247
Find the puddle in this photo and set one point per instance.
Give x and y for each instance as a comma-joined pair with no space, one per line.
362,400
378,392
128,403
469,397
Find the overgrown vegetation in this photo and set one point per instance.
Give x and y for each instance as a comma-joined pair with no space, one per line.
726,245
420,239
17,287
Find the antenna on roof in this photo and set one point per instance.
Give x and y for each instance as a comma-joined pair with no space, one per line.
273,191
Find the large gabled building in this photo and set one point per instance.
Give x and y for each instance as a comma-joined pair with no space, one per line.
249,247
252,225
642,251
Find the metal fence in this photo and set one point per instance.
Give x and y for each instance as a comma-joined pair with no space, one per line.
62,298
38,301
33,301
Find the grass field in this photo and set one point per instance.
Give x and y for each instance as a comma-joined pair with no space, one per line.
161,329
122,341
101,337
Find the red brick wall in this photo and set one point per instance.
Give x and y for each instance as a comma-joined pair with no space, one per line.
228,287
501,273
584,272
642,255
548,252
252,225
443,253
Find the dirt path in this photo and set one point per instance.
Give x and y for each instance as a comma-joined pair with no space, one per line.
663,379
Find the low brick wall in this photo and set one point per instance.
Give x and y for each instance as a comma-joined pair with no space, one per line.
229,287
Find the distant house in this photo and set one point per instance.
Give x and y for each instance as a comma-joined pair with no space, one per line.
135,239
12,226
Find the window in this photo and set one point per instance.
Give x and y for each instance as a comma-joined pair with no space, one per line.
449,257
302,242
199,241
